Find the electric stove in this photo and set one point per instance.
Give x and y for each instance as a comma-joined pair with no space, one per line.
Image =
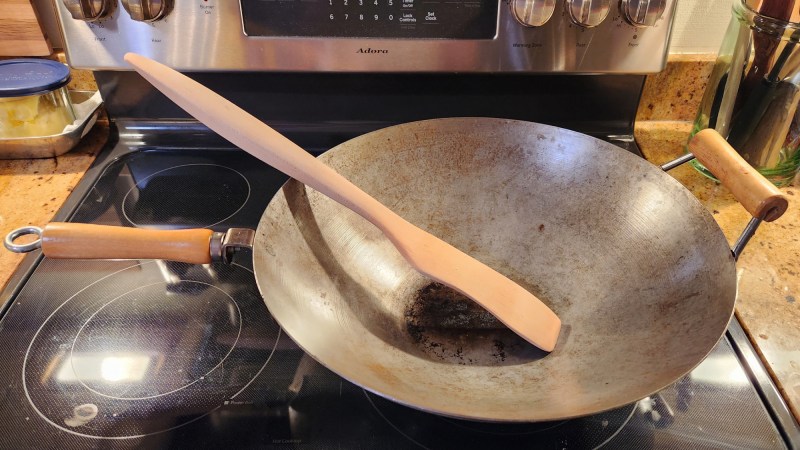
156,354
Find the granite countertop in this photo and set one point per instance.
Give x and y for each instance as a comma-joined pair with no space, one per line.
32,190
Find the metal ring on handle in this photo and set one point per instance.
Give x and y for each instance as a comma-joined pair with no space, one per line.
23,248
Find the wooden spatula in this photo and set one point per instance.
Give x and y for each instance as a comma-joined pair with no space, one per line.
511,304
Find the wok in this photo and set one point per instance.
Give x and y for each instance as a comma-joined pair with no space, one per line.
636,268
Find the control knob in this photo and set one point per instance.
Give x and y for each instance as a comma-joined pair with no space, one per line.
588,13
89,10
147,10
533,13
643,13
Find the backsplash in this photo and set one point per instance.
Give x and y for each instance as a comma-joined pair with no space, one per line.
675,93
700,26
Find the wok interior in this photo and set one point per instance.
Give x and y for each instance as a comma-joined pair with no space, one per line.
634,266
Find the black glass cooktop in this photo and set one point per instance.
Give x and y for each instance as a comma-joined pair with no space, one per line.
123,354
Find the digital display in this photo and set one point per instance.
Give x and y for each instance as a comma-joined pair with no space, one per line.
404,19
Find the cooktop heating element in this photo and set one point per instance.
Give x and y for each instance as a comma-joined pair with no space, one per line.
124,350
428,431
218,192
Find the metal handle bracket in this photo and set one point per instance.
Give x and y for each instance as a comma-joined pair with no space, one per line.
224,245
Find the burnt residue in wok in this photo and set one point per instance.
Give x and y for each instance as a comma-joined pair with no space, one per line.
448,326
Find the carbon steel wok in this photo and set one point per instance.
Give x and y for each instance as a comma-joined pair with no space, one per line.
636,268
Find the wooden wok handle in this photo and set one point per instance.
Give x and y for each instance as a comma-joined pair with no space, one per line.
757,194
84,241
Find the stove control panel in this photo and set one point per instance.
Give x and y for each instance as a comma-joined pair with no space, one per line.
395,19
537,36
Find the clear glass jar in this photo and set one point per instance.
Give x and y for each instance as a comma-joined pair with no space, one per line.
753,93
34,100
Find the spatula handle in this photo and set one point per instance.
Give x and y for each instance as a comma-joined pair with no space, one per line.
757,194
262,141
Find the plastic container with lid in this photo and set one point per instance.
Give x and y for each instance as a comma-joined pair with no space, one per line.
33,98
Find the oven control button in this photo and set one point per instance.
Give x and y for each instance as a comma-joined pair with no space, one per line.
89,10
147,10
588,13
533,13
643,13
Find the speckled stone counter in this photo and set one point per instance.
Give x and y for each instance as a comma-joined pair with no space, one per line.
32,190
675,92
769,285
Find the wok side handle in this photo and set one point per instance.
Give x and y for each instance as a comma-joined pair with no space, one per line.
86,241
757,194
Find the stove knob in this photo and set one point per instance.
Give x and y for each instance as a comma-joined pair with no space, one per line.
588,13
533,13
643,13
147,10
89,10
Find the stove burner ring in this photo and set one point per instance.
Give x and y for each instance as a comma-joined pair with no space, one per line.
70,413
485,430
111,303
478,429
191,204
